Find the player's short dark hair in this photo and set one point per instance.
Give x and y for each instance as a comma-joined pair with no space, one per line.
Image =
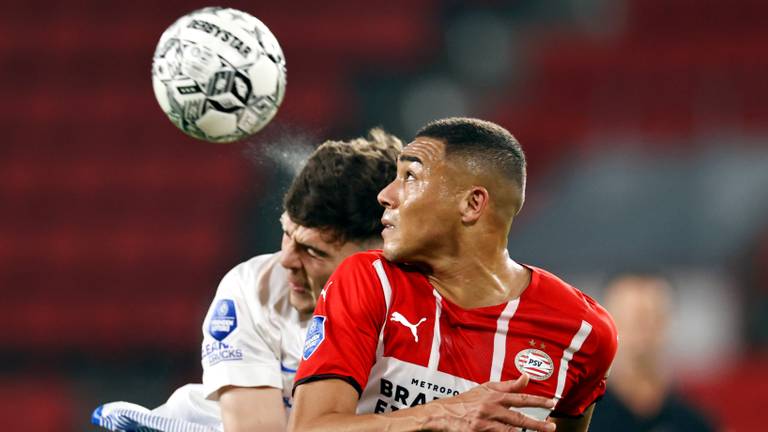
482,141
338,186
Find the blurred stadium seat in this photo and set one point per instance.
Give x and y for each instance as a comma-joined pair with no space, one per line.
35,403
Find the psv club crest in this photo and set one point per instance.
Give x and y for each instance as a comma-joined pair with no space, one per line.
536,363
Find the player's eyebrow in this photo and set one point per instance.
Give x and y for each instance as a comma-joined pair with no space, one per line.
409,158
319,251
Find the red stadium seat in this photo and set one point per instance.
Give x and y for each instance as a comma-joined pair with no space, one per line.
35,403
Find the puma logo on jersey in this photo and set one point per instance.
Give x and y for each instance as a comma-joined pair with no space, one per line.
324,291
399,318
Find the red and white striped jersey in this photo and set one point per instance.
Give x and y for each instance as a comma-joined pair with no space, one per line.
384,329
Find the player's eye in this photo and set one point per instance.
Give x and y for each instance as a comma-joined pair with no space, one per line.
409,175
314,253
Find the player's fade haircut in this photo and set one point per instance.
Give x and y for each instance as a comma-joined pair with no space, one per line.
338,186
482,142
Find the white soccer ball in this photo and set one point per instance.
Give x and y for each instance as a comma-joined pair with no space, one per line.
219,74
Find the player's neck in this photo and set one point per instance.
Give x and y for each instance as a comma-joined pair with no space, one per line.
479,280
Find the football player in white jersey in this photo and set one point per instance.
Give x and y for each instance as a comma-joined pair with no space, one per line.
254,331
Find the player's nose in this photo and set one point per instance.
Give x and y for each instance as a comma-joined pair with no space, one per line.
387,196
289,256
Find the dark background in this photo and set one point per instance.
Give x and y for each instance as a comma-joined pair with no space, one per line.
645,123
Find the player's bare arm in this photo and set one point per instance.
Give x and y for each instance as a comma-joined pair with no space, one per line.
580,424
487,407
252,408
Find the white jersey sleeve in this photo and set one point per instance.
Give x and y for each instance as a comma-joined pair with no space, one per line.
241,343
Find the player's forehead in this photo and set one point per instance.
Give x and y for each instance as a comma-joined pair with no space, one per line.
288,225
316,237
425,149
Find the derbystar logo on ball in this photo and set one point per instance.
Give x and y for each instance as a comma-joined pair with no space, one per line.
219,74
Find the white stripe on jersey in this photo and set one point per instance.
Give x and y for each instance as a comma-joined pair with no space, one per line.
573,348
384,283
387,289
434,355
500,339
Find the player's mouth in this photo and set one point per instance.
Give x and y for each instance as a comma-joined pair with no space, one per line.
388,224
297,287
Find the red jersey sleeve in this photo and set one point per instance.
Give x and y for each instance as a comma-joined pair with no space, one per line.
344,332
593,363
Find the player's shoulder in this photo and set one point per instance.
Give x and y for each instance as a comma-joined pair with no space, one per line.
571,301
366,257
372,263
261,279
552,287
256,265
364,262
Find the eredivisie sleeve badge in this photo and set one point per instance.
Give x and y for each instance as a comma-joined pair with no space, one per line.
223,320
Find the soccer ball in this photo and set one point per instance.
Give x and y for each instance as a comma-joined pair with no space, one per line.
219,74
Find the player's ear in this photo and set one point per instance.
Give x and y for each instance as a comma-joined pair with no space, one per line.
473,204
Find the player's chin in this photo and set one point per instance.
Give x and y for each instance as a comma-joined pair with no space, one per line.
391,251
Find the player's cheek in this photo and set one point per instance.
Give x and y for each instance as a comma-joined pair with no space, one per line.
316,278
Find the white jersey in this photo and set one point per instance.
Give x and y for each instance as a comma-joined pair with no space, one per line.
252,336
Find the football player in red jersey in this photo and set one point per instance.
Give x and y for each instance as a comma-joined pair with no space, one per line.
404,338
